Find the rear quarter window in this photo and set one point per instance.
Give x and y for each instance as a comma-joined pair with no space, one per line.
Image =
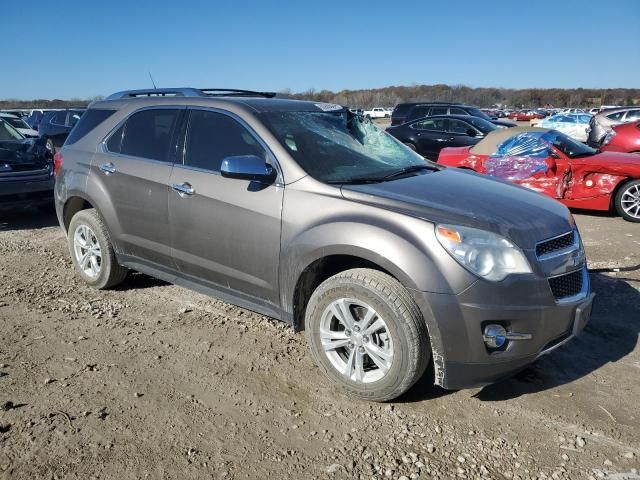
90,120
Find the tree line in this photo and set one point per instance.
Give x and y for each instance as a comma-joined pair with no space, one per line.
390,96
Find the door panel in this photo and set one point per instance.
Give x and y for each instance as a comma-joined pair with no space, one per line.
136,172
227,231
138,189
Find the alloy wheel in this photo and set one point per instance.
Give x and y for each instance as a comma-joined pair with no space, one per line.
87,251
630,201
356,340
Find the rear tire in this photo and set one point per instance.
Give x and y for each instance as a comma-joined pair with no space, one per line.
92,252
387,338
627,201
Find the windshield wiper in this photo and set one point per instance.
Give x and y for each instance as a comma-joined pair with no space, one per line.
355,180
407,170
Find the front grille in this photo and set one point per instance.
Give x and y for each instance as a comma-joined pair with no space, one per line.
555,244
566,285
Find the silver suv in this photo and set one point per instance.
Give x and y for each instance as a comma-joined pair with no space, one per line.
310,214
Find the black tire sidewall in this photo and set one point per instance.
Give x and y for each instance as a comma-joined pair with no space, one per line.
350,288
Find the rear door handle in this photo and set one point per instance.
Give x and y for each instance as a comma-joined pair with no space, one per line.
184,189
108,168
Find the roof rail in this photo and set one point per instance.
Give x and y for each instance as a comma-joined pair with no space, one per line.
188,92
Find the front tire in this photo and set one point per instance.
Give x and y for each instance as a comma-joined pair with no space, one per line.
367,335
627,201
92,252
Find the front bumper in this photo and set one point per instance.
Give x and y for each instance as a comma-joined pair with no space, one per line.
521,305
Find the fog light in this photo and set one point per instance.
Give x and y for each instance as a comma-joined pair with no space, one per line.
495,336
589,183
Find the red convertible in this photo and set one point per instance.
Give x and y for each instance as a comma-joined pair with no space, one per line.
525,115
554,164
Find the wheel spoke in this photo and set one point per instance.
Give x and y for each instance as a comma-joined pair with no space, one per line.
94,264
379,356
332,340
342,312
377,325
348,368
359,365
368,318
84,260
77,238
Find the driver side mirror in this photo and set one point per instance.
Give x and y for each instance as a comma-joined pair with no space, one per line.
247,167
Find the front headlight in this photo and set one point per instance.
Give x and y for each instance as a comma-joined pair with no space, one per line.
485,254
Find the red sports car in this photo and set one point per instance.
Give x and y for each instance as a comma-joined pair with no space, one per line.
623,138
554,164
524,115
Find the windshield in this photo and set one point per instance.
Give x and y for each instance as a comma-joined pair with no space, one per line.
339,147
538,144
478,113
7,132
16,122
567,145
481,124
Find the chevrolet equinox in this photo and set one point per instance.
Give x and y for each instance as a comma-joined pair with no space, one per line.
308,213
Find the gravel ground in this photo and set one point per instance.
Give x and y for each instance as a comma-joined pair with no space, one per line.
154,381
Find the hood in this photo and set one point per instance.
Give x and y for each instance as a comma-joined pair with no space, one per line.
465,198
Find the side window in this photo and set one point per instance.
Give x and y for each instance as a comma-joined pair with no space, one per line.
60,118
439,111
114,143
436,125
148,134
616,115
632,115
213,136
458,127
419,111
457,111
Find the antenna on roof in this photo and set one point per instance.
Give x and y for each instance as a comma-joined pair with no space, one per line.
152,82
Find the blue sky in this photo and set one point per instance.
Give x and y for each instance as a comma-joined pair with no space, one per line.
83,48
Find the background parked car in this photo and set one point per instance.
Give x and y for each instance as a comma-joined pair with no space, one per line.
26,169
377,112
556,165
428,136
524,115
602,123
623,138
56,125
19,124
573,124
413,111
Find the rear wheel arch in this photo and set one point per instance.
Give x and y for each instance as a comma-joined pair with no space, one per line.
72,206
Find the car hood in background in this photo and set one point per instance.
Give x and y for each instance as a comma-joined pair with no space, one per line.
464,198
28,151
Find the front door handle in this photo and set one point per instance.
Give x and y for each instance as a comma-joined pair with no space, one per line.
184,189
108,168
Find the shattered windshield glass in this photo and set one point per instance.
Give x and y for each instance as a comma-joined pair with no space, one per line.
538,144
339,147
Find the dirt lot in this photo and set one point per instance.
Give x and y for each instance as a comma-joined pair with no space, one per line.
154,381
